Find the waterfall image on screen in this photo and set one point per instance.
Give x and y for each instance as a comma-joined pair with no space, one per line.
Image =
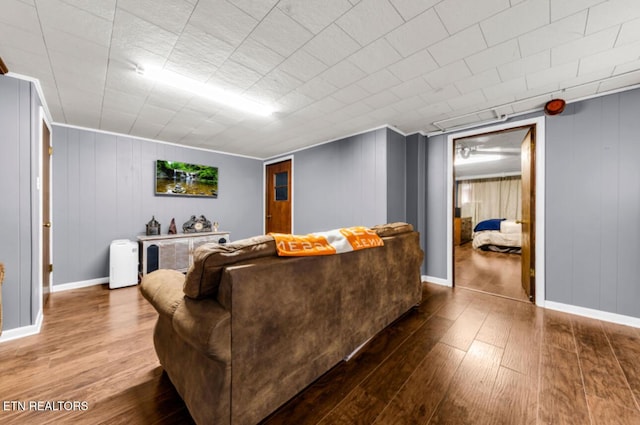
183,179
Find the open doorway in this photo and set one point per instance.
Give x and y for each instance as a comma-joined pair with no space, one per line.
494,196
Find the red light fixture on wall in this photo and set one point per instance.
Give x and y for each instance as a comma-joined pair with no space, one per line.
554,107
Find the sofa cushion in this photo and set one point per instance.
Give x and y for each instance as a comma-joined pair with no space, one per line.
203,277
390,229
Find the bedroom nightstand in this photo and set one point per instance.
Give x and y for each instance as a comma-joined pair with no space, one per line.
462,232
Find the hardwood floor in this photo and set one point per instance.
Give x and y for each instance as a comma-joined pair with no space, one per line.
493,272
462,357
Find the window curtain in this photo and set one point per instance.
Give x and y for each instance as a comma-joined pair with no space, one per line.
490,198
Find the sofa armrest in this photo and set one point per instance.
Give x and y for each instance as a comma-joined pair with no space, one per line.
163,289
205,325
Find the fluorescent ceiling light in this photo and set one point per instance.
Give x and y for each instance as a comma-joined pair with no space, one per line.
205,90
475,159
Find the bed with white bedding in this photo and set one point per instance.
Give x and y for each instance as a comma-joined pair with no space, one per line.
499,235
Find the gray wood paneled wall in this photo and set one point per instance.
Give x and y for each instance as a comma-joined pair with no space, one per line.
104,190
396,177
592,215
16,229
593,204
342,183
416,178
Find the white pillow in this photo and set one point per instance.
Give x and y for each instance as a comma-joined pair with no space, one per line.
508,226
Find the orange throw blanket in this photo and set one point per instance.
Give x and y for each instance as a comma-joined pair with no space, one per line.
326,243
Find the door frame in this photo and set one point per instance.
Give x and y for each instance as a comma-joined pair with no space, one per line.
264,185
539,124
43,119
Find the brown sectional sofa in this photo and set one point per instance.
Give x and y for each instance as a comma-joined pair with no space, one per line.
246,330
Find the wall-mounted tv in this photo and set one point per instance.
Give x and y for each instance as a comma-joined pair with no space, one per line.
183,179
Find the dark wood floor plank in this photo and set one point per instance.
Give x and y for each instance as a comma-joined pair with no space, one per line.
417,399
464,330
96,346
522,351
492,272
557,330
603,376
562,399
469,396
514,398
605,412
382,385
330,389
625,342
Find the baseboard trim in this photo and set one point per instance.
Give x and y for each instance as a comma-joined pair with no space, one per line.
436,280
606,316
23,331
80,284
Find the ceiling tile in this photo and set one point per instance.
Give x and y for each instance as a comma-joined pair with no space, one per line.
382,99
317,88
171,16
379,81
145,129
552,75
351,94
155,114
458,46
492,57
234,76
302,65
14,38
517,20
104,8
223,20
123,77
506,89
411,8
273,86
128,103
256,56
331,46
633,66
525,66
342,74
467,100
370,20
116,120
168,97
487,78
448,75
293,101
20,15
624,81
59,15
611,13
409,88
281,33
563,8
459,14
375,56
557,33
198,43
131,31
189,65
420,32
417,64
610,58
314,15
584,46
629,33
258,9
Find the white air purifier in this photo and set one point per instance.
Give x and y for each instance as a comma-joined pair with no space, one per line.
123,263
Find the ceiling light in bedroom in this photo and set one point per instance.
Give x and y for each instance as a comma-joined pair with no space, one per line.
475,159
208,91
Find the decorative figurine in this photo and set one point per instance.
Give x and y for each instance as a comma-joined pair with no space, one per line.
215,226
172,227
196,225
153,227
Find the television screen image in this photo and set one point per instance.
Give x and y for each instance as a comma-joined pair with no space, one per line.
183,179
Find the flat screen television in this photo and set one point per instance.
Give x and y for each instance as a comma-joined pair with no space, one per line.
183,179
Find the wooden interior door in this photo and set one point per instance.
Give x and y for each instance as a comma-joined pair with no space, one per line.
47,267
278,197
528,214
